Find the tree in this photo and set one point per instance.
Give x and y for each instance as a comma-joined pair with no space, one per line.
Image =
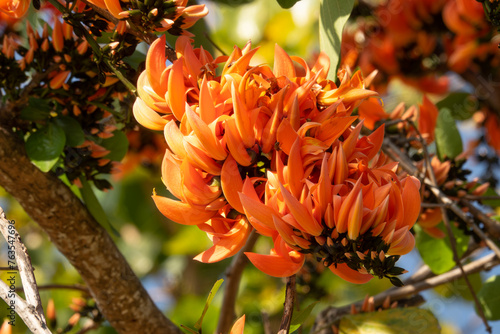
295,167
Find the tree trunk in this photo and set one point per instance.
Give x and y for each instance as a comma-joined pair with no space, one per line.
118,292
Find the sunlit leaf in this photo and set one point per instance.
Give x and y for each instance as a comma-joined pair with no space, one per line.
490,298
409,320
448,140
332,18
300,317
211,296
435,252
45,146
461,105
95,207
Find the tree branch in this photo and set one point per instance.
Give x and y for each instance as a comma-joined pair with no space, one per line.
31,310
118,292
286,320
485,263
394,153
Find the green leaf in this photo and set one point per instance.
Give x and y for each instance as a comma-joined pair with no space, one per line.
409,320
117,145
36,110
333,16
490,298
287,3
435,252
95,207
448,140
299,318
461,105
211,296
45,146
494,203
73,130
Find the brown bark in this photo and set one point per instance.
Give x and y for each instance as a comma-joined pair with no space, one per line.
117,290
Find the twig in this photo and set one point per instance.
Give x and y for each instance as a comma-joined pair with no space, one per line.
31,310
485,263
146,36
232,283
288,306
393,152
449,231
492,226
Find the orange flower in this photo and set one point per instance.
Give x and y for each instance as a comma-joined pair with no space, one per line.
173,16
274,150
425,117
334,206
14,8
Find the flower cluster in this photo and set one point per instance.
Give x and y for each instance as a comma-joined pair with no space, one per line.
63,63
173,16
274,150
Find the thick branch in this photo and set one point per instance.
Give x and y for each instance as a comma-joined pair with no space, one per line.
31,310
118,292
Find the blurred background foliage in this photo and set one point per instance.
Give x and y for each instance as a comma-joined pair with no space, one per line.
161,252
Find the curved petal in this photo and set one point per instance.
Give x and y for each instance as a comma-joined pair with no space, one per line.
405,246
231,183
283,64
275,265
176,91
411,201
180,212
147,117
155,65
114,8
227,245
343,271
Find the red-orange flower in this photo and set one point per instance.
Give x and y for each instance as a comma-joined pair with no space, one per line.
246,149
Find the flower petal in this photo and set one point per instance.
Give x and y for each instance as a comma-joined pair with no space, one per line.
227,245
275,265
182,213
343,271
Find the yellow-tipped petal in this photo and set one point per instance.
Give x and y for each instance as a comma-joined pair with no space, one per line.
114,7
300,213
232,183
155,65
176,90
174,138
283,64
355,218
147,117
212,146
235,144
